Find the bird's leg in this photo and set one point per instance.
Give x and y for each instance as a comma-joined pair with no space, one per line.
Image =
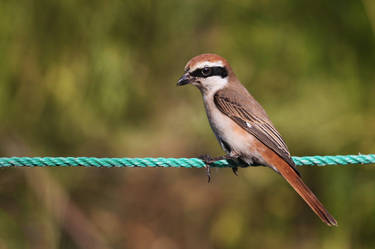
233,158
208,167
208,160
235,170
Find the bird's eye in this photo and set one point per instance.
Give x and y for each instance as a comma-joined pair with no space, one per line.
206,71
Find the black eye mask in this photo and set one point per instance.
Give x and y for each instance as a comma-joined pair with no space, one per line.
210,71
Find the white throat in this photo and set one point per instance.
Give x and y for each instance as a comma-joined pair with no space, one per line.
211,85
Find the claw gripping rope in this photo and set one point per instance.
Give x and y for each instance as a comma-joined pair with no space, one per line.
168,162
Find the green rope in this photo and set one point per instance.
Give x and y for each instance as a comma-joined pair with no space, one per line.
167,162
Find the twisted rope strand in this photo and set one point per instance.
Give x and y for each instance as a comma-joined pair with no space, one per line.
168,162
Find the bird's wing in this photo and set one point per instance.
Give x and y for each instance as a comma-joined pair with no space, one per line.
245,111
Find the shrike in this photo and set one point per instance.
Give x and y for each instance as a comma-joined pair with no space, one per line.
242,127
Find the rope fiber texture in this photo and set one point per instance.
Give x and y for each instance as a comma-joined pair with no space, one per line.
168,162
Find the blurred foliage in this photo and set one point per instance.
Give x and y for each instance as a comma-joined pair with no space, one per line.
97,78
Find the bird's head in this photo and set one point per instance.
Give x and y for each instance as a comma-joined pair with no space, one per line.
208,72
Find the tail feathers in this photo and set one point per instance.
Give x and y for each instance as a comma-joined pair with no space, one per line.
301,188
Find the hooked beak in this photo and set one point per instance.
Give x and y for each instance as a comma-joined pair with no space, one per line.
185,79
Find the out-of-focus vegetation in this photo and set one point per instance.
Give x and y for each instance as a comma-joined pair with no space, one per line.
97,78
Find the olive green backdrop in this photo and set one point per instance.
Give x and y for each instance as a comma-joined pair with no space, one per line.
97,78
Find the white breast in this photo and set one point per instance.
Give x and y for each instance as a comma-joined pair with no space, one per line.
226,129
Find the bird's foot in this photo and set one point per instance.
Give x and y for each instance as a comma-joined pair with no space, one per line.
207,159
235,170
208,168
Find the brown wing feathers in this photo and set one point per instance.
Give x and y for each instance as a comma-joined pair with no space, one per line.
279,155
259,128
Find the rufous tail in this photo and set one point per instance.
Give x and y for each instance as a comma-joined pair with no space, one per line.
300,187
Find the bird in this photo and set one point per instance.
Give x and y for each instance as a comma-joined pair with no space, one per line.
242,127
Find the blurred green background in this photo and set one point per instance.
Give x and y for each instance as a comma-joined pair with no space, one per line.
97,78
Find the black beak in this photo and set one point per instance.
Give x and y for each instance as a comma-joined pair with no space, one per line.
185,79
